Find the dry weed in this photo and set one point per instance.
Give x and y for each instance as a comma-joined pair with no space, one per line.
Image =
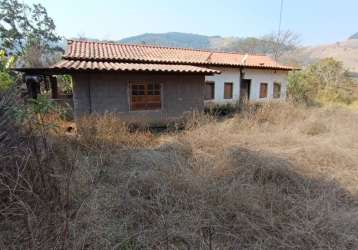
109,131
272,177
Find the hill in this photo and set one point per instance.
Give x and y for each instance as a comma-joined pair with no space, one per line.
172,39
184,40
252,45
345,51
354,36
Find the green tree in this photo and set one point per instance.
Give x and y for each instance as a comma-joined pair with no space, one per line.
65,82
23,27
299,88
6,79
325,81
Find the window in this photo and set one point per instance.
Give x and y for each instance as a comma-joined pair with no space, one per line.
209,90
228,90
145,96
263,90
276,90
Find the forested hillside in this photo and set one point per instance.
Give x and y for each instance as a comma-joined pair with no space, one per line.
254,45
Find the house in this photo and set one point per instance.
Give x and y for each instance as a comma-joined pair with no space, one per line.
152,83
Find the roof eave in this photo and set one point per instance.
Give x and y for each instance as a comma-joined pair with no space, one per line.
42,71
63,71
125,60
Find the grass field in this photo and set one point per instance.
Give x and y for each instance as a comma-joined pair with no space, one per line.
279,177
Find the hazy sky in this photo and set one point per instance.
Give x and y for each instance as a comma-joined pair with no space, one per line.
317,21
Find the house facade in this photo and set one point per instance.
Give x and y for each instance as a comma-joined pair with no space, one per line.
152,83
138,96
256,85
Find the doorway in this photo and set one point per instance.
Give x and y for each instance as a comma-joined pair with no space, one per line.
245,87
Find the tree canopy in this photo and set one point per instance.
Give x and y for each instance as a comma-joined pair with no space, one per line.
24,27
324,81
6,79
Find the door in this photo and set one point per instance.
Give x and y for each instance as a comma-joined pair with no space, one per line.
245,87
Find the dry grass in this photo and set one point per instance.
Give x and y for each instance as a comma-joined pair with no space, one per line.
277,177
109,132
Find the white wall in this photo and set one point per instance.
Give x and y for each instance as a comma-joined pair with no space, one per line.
257,76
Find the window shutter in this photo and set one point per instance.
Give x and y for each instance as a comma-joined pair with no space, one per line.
263,90
209,91
228,90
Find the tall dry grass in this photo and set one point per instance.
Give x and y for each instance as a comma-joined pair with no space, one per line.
271,177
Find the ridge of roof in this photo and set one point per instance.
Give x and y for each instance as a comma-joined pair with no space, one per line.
70,41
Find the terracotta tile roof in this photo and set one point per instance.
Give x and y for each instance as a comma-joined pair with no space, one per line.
119,66
102,51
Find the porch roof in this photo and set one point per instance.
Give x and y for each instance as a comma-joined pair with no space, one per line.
70,66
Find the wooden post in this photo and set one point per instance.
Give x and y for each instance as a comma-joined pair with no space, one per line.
54,87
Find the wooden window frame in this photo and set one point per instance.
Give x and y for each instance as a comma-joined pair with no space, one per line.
145,94
230,96
212,83
273,91
261,94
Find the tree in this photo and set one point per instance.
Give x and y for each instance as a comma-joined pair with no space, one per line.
6,79
325,81
280,43
24,28
272,44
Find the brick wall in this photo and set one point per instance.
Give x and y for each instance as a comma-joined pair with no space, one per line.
108,92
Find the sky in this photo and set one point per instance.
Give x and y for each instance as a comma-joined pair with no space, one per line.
316,21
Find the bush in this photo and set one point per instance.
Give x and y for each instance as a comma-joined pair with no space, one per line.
222,109
6,79
325,81
299,89
66,84
108,131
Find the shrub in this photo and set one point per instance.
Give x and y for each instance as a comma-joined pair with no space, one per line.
325,81
31,200
108,131
222,109
299,89
66,84
276,176
6,79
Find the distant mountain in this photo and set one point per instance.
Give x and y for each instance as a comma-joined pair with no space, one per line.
184,40
173,39
252,45
354,36
344,51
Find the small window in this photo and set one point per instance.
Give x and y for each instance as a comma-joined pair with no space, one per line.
209,90
228,90
263,90
145,96
276,90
